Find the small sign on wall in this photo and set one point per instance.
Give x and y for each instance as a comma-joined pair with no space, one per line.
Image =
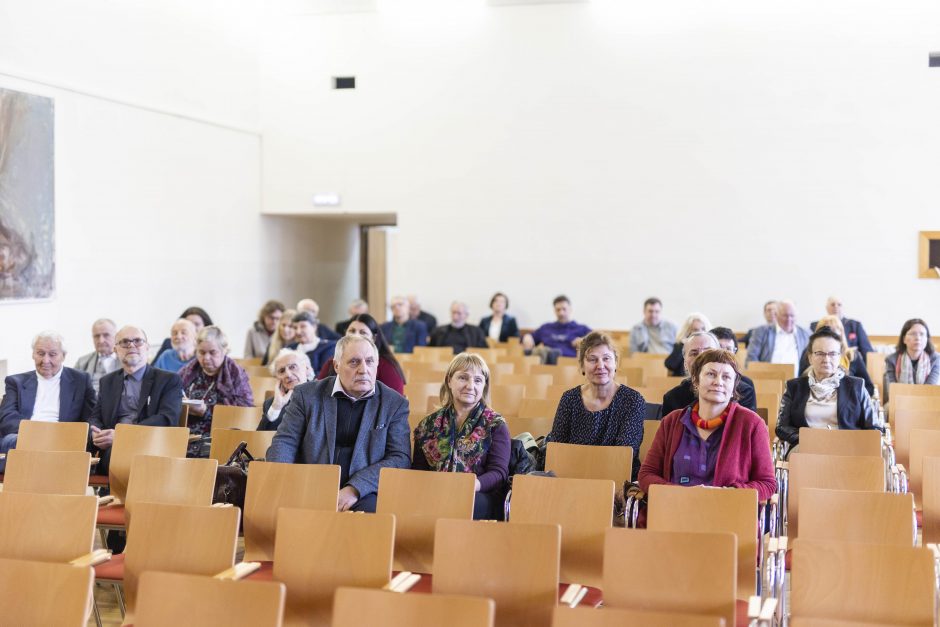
929,261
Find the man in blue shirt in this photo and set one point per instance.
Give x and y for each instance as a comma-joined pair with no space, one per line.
559,338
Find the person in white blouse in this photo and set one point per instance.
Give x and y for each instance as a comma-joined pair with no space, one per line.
291,367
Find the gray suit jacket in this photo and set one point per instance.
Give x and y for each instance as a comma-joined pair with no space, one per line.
761,345
307,433
89,363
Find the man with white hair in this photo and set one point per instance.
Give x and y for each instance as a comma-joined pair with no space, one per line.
458,334
102,360
781,342
50,393
350,420
323,332
290,368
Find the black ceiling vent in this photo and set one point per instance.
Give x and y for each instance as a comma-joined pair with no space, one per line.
344,82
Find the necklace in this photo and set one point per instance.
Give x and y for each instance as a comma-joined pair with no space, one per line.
714,423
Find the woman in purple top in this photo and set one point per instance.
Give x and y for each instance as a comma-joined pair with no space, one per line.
211,379
467,436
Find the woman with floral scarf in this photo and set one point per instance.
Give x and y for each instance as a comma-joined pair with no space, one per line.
825,397
467,436
915,360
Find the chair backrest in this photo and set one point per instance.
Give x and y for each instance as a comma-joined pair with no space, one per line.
764,370
583,461
536,426
507,399
840,441
316,552
225,441
675,508
256,370
46,527
177,599
924,443
611,617
916,397
766,386
521,363
47,472
260,386
36,435
554,392
232,417
42,593
418,392
833,472
356,607
671,571
417,499
908,421
170,480
516,565
178,539
434,353
871,583
133,440
272,486
564,375
853,516
538,408
499,369
650,427
583,508
634,376
930,499
536,385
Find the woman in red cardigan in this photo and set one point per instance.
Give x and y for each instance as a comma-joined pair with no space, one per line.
715,442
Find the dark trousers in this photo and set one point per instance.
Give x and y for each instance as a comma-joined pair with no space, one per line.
488,505
365,504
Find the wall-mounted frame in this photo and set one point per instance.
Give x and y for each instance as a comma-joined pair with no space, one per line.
928,265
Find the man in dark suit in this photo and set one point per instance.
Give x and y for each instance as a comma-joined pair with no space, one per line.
855,335
416,313
458,334
51,393
136,394
349,420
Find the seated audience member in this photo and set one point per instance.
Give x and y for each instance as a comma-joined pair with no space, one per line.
600,411
183,347
653,334
264,329
389,370
715,442
102,360
281,339
824,397
683,395
357,307
467,436
559,338
403,333
50,393
319,351
291,369
416,313
196,315
851,362
349,420
458,334
675,362
213,378
499,326
323,332
854,333
770,317
915,360
780,343
136,394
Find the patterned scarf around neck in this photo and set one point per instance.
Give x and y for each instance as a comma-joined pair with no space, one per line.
825,389
904,370
449,448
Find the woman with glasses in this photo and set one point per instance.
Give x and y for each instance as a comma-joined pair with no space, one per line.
852,361
915,360
825,397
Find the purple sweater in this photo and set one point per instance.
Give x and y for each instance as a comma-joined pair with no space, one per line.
559,335
495,461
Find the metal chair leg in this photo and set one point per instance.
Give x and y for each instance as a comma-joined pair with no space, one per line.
119,592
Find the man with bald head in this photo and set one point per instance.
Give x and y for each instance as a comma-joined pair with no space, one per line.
102,360
782,342
136,394
458,334
855,335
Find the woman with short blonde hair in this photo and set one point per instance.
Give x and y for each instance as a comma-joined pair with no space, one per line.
694,323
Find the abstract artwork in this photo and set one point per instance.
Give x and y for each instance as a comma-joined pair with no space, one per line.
27,199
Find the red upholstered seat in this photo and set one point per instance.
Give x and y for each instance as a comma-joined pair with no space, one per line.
740,612
98,480
112,515
787,558
112,570
920,519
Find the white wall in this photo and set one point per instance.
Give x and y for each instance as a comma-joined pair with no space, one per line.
714,154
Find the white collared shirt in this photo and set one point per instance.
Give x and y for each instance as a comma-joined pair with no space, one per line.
338,387
108,364
785,349
46,408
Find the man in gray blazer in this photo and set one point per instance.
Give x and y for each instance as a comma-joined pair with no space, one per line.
350,420
102,360
782,342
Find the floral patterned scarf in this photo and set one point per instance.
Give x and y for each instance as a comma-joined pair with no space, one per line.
451,449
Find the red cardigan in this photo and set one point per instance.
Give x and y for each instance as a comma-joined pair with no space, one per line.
743,457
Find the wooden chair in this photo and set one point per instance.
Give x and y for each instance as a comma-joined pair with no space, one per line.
553,392
536,385
133,440
924,443
536,426
272,486
852,516
521,363
47,472
417,499
930,500
432,404
584,509
231,417
174,539
35,435
177,599
650,427
489,355
925,397
581,461
42,593
507,399
538,408
567,361
875,364
248,361
225,441
867,584
258,371
415,416
564,375
610,617
840,442
418,392
676,508
317,552
260,386
645,569
434,353
498,369
905,423
652,365
46,527
770,400
356,607
667,382
632,376
767,386
764,370
516,565
833,472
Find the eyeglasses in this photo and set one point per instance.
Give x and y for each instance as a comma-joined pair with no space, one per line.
831,355
128,342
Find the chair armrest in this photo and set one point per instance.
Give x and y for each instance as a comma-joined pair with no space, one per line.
574,594
402,582
221,505
106,500
99,556
238,571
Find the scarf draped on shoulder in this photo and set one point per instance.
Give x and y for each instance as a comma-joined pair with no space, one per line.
449,447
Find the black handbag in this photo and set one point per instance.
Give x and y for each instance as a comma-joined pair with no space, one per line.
231,479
